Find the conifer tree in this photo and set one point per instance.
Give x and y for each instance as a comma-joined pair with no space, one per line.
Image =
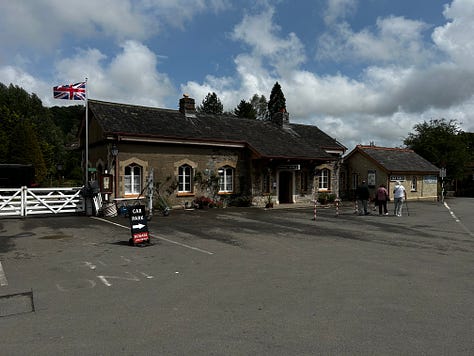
277,100
211,105
245,110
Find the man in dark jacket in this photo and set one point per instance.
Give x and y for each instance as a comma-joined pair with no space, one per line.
362,196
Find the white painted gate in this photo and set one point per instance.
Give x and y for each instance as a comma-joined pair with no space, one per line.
25,201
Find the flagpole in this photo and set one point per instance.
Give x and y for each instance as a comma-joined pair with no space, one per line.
87,139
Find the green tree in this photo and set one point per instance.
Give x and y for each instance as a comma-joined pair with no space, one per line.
211,105
25,149
277,100
443,143
245,110
7,123
260,105
55,129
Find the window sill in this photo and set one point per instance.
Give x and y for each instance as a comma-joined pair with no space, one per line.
185,195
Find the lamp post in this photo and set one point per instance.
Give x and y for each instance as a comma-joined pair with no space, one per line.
115,151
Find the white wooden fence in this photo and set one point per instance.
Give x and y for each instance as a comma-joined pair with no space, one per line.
21,202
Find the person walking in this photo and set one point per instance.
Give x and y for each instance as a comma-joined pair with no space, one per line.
362,195
381,197
399,195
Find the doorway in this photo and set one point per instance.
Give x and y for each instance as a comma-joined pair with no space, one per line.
285,187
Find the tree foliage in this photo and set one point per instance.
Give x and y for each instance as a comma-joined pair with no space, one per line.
33,134
260,105
245,110
277,100
443,143
211,105
25,149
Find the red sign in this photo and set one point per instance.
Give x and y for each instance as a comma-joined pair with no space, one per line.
140,237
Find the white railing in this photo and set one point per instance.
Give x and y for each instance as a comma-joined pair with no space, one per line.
35,201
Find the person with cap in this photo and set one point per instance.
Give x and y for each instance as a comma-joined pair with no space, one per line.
399,195
362,195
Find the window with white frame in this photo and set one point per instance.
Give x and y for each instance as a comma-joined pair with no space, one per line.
184,178
414,183
226,179
133,179
324,179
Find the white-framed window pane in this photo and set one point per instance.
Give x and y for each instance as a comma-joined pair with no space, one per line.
324,179
184,179
226,178
132,179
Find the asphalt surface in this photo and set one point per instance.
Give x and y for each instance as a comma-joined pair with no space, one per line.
242,281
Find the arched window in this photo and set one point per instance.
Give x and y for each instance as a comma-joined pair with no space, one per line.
184,179
133,179
324,179
226,179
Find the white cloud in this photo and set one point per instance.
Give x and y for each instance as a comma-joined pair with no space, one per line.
42,24
130,77
396,40
16,76
261,34
455,37
339,9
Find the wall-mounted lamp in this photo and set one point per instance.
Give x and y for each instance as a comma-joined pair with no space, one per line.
114,150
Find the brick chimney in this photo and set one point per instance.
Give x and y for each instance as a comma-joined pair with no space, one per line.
281,118
187,106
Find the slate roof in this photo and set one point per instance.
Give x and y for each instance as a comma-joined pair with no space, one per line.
312,134
396,159
264,138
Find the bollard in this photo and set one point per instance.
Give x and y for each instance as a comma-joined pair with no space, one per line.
314,209
337,207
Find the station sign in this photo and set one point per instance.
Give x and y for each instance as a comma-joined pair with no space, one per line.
289,167
138,224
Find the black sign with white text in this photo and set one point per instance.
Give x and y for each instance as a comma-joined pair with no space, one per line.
138,224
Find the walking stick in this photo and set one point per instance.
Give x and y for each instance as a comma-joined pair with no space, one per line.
406,205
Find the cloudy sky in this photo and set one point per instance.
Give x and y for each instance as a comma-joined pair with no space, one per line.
361,70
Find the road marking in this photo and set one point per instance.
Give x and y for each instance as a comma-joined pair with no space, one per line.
3,278
90,265
457,220
69,285
146,275
158,237
105,279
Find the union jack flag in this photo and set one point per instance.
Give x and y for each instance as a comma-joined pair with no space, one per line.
70,92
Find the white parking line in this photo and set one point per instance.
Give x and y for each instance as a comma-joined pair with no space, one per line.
158,237
457,220
3,278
